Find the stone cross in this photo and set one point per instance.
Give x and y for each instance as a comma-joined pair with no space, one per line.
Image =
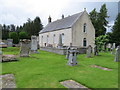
95,50
72,57
89,51
10,42
117,54
24,48
34,45
67,54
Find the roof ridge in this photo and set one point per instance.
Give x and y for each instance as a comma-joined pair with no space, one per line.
67,22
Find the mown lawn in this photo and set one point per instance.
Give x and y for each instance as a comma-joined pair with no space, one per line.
46,70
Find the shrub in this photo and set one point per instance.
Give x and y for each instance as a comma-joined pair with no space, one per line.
23,35
14,36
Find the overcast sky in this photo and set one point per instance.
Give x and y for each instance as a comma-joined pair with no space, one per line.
18,11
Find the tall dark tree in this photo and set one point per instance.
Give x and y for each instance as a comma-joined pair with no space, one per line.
5,32
33,27
12,26
99,20
102,16
37,25
116,30
94,18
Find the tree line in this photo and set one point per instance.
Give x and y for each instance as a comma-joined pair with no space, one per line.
25,31
99,21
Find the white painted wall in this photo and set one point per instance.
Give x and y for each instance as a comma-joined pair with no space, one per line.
55,39
78,34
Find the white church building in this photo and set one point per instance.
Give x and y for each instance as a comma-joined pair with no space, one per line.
75,30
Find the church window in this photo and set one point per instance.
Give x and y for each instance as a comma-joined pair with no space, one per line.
42,40
54,39
63,38
84,42
47,39
84,27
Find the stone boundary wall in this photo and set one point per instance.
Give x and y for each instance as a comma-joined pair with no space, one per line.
54,50
61,51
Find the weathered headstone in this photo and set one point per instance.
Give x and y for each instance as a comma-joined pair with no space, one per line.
89,51
71,84
109,47
117,54
24,48
10,42
34,45
7,81
67,54
72,57
60,41
103,68
113,49
9,58
95,50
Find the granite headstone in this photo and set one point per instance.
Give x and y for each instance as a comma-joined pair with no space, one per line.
24,48
34,45
89,51
117,54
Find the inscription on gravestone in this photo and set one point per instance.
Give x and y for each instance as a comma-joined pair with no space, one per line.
24,48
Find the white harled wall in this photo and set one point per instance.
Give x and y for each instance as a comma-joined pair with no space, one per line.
78,33
52,38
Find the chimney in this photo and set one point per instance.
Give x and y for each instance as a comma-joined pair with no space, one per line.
62,16
49,19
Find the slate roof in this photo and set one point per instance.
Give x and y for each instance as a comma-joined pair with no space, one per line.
67,22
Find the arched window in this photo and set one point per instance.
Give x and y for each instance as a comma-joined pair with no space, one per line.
84,42
54,39
62,38
47,39
42,40
85,27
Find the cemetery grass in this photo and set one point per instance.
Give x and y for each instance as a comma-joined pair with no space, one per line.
47,70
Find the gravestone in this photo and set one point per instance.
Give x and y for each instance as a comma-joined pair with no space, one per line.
72,57
67,54
34,45
95,51
113,49
7,81
24,48
8,58
117,54
74,85
109,47
10,42
89,51
60,41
